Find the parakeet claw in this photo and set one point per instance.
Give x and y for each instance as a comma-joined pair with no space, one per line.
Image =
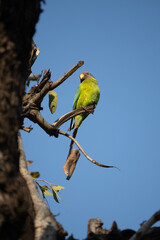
88,111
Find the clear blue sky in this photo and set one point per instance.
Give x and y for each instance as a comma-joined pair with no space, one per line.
119,42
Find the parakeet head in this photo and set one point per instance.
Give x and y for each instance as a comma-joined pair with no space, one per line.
85,75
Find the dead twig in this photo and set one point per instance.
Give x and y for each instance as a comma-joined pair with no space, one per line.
27,129
85,154
52,129
36,94
72,114
33,77
146,226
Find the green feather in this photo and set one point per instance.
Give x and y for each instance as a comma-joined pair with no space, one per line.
76,98
88,93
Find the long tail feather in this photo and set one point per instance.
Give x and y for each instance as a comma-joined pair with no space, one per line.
71,125
71,144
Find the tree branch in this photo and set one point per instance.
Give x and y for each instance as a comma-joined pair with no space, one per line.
66,75
36,117
33,77
85,154
52,129
46,227
146,226
72,114
36,94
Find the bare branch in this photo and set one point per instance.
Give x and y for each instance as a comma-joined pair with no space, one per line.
67,75
85,154
26,129
45,223
34,54
36,117
146,226
33,77
52,85
72,114
36,94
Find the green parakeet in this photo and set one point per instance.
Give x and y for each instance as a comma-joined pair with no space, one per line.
88,93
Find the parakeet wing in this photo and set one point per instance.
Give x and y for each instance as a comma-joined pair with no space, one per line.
76,98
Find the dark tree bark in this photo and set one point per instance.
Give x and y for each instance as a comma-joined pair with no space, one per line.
17,26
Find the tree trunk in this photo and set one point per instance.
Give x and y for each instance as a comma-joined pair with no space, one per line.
17,26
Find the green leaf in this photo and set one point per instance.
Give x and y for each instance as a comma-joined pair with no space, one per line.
35,174
57,188
55,196
43,188
52,101
47,193
29,162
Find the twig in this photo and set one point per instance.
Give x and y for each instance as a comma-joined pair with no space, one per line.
36,94
33,77
34,54
67,75
52,85
146,226
26,129
36,117
85,154
52,129
72,114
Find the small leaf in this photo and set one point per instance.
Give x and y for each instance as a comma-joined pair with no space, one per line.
35,174
52,101
29,162
47,193
43,188
57,188
55,196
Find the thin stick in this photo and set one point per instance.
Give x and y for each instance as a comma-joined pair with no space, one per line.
26,129
66,75
146,226
72,114
85,154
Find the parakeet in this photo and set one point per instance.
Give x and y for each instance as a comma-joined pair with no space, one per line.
88,93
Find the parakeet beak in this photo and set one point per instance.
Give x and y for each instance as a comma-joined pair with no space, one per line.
81,77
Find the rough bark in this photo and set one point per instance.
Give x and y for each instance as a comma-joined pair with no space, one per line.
46,227
17,26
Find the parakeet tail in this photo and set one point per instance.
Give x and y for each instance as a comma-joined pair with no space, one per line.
71,144
71,125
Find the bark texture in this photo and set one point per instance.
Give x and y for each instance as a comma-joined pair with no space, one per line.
17,26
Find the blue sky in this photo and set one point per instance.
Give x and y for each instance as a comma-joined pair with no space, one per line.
119,42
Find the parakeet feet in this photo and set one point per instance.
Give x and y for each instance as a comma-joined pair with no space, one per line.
88,111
